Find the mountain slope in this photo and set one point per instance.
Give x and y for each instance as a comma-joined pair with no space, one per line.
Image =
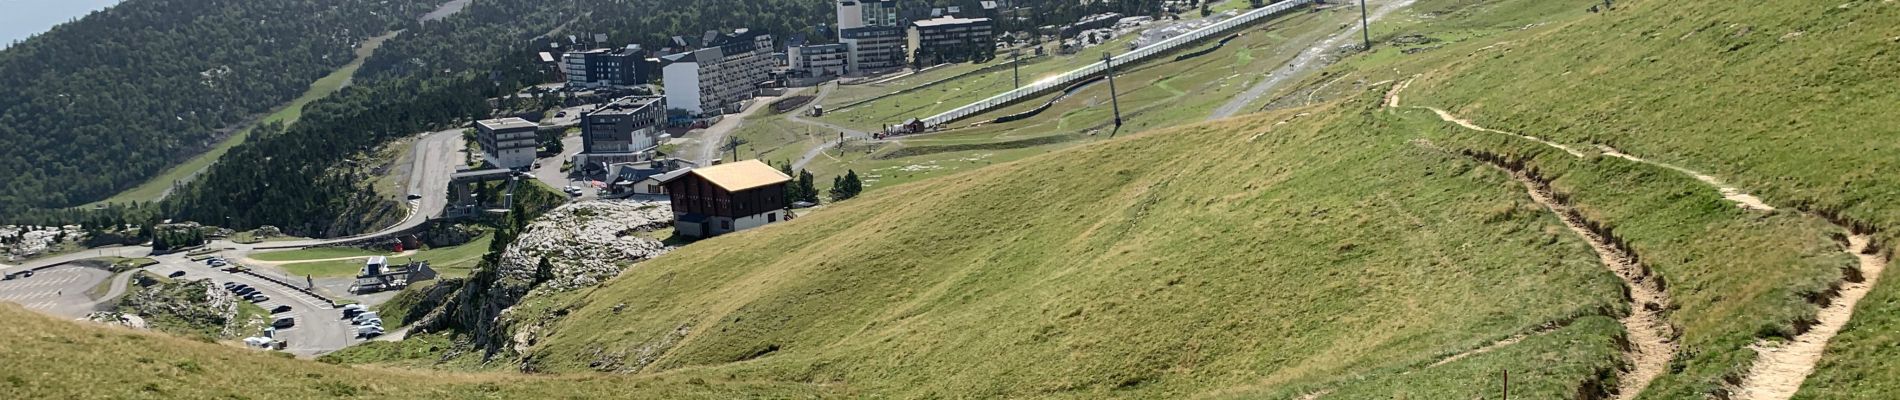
1420,235
1190,260
97,105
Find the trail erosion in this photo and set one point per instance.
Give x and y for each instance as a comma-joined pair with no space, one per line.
1780,369
1650,339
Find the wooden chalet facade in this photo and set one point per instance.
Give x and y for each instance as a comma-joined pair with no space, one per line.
727,198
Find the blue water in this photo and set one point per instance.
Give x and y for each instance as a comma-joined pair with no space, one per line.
22,18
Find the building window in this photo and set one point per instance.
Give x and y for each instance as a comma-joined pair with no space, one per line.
725,224
771,217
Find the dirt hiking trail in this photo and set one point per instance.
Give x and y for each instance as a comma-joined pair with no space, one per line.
1779,371
1651,339
1780,368
1731,193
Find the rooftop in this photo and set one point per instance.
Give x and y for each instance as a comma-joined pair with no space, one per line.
505,123
941,21
625,105
740,175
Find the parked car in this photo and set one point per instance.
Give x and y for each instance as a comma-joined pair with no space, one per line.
365,317
369,331
284,322
280,309
176,274
413,196
259,298
376,322
229,285
351,310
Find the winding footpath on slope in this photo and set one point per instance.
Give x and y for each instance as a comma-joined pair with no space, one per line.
1780,368
1651,340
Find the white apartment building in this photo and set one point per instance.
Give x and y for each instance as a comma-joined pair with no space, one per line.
507,142
720,77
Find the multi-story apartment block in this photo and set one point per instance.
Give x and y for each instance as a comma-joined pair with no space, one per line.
817,60
873,34
507,142
607,67
949,39
722,75
621,130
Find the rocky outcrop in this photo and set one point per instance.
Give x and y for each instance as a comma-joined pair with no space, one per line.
574,246
186,307
586,243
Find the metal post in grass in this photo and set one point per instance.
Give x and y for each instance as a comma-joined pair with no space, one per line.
1016,72
1365,26
1113,100
1507,384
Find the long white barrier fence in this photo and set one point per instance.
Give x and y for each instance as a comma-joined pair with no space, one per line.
1144,52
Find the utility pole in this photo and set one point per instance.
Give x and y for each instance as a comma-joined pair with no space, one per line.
1507,384
1016,72
1365,26
1112,99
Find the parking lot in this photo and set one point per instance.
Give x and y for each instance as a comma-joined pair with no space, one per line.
59,290
319,327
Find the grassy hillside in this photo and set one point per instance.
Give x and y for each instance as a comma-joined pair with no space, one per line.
49,358
1362,247
1189,261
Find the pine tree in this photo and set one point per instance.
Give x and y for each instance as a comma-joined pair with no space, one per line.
847,186
806,189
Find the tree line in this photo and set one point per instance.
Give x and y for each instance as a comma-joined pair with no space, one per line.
309,178
101,104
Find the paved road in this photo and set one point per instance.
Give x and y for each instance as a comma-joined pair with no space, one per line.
122,251
59,291
437,156
713,138
814,152
444,11
1307,61
550,172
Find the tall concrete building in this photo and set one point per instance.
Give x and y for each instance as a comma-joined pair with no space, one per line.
861,13
818,59
607,67
949,39
873,34
507,142
719,77
621,131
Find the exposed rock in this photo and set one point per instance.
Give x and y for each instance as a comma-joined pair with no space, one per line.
583,244
587,243
186,307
